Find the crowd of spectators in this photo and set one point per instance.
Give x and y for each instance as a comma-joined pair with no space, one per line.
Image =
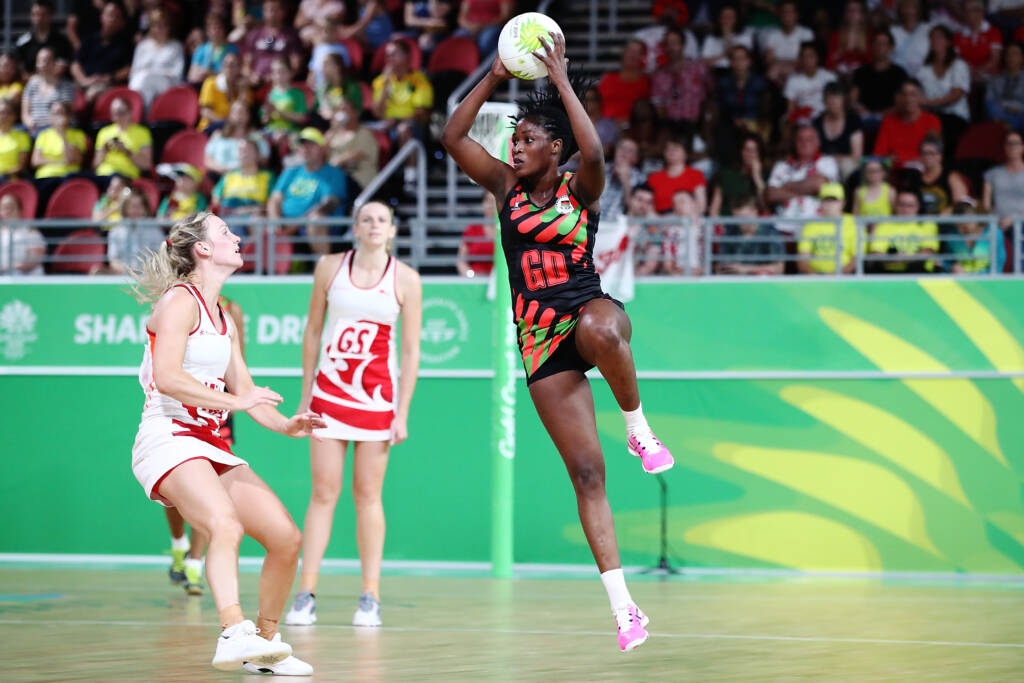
807,112
789,109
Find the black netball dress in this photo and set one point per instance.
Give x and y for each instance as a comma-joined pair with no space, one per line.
549,250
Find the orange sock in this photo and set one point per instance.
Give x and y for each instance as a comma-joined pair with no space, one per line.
230,615
267,626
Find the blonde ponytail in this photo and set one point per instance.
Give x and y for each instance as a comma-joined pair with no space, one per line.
173,262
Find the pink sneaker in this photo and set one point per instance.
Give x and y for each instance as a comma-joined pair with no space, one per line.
631,622
654,456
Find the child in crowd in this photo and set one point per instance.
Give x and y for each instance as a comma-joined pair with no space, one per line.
185,198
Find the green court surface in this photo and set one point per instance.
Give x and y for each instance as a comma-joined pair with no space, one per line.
129,624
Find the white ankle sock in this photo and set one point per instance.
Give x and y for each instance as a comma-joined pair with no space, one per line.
191,562
180,543
615,583
635,419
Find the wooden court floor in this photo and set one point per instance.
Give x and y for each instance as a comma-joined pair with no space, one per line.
131,625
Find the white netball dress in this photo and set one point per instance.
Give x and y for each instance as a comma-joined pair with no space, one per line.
356,383
171,432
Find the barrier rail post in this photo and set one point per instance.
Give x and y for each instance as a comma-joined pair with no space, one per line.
838,256
708,231
1015,252
859,249
993,230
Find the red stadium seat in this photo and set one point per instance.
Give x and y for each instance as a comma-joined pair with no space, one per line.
179,104
415,56
150,190
355,54
84,251
367,95
73,199
384,143
457,53
26,194
983,140
187,146
101,111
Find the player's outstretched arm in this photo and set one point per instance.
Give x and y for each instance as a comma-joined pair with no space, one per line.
488,172
589,180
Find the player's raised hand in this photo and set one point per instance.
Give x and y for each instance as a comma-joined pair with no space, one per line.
500,70
553,56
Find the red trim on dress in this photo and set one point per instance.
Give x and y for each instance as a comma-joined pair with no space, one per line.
223,319
199,310
218,467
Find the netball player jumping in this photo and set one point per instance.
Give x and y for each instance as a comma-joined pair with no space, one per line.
356,386
193,375
566,324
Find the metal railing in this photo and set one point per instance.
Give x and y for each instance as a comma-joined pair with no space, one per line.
275,247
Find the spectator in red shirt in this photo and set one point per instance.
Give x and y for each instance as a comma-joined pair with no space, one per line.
903,130
677,176
980,44
273,39
482,20
849,47
679,88
620,89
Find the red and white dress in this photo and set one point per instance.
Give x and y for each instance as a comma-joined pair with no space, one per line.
171,432
356,383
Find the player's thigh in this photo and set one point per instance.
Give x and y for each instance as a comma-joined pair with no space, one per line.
327,466
369,465
195,489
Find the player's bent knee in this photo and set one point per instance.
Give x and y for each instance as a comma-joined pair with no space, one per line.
599,333
225,529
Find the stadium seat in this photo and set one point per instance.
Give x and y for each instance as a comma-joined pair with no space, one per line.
384,143
367,95
83,249
26,194
983,140
355,54
150,189
73,199
415,56
180,104
101,111
457,53
186,146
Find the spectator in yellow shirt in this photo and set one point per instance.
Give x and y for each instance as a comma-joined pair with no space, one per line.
14,144
817,243
220,90
402,98
124,146
58,152
910,239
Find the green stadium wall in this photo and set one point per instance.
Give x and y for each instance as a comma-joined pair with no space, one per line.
859,425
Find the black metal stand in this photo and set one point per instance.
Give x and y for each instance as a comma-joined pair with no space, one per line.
664,567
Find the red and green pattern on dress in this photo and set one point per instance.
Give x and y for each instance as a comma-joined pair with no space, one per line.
539,335
560,226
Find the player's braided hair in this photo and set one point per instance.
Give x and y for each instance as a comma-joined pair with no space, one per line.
544,107
173,262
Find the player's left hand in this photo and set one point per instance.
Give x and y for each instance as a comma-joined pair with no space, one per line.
553,56
303,424
399,431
